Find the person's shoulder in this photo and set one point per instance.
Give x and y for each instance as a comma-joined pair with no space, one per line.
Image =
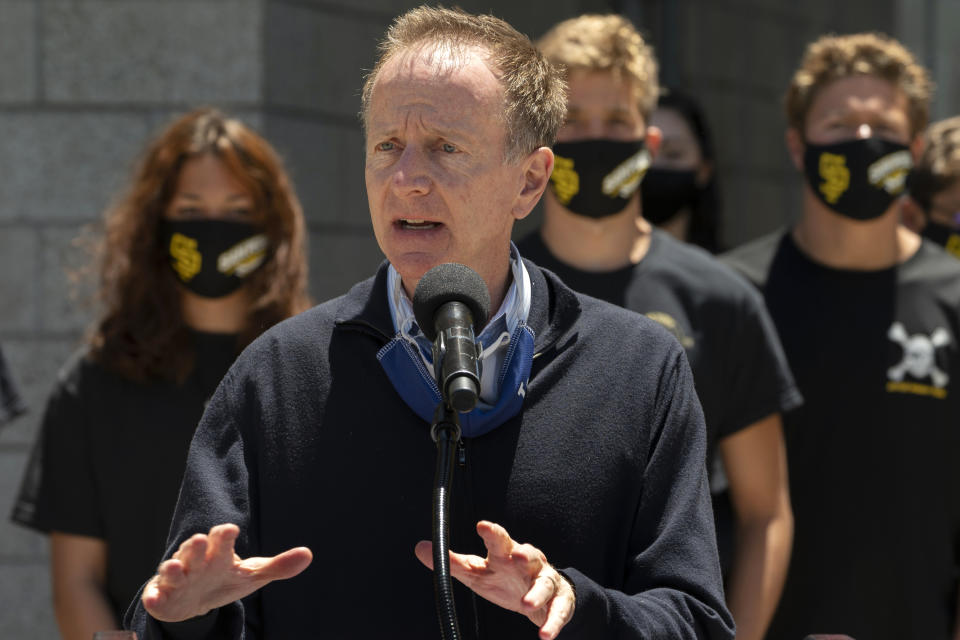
308,332
622,333
81,372
694,269
753,259
932,266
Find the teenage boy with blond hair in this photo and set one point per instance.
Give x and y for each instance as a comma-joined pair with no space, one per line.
595,238
869,316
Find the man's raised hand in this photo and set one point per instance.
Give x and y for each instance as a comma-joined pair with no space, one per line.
514,576
205,574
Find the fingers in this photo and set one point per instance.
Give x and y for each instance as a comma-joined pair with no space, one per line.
281,566
171,573
424,553
221,541
192,552
495,538
543,589
560,609
460,563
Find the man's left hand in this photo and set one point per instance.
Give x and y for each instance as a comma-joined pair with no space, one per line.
514,576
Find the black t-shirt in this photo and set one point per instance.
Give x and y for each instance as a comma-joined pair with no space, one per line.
873,453
10,403
738,365
110,456
739,369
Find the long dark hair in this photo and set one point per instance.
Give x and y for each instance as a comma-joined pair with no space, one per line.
141,333
704,229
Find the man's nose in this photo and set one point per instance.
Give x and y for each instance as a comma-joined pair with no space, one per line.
864,131
410,175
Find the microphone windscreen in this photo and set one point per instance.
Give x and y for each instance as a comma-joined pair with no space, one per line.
450,282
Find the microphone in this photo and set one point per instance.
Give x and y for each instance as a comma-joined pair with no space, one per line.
451,303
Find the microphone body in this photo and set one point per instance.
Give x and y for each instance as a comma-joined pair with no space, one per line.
455,358
450,302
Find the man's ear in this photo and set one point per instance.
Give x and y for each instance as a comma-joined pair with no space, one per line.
537,168
912,215
653,140
795,147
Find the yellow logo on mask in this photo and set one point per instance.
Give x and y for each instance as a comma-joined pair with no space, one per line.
953,245
566,182
836,176
186,259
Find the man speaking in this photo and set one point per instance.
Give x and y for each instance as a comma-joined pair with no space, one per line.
587,441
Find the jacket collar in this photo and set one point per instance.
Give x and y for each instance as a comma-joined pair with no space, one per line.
554,308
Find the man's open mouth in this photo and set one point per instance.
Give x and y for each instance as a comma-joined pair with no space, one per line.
416,223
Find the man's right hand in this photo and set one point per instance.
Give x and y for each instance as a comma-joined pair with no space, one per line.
205,574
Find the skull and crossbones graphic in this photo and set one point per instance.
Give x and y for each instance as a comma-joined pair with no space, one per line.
918,354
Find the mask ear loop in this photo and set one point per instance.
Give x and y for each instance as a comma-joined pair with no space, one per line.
503,338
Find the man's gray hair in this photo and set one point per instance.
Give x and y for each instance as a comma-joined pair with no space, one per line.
534,90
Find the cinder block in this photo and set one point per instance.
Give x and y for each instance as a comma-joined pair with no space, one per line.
338,261
714,37
728,124
317,60
151,51
762,139
27,605
19,248
17,543
34,364
65,302
864,15
17,51
772,58
326,163
752,207
374,9
65,165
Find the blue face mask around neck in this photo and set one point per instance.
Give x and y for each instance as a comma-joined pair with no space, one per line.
417,387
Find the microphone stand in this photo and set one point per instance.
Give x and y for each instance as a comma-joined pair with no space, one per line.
445,431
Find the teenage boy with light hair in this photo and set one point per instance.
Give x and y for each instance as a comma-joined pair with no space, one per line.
869,317
595,238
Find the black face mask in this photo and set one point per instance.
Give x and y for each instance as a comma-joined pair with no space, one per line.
945,236
858,179
212,258
596,178
666,192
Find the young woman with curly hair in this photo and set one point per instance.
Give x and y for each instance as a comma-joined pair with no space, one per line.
202,254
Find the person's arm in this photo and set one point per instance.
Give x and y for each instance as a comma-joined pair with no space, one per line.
78,567
756,467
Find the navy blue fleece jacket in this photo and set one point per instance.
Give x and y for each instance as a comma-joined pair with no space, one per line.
307,443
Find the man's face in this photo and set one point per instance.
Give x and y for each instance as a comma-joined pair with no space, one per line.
599,106
860,106
437,184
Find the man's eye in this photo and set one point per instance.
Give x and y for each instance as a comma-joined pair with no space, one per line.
448,148
386,146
